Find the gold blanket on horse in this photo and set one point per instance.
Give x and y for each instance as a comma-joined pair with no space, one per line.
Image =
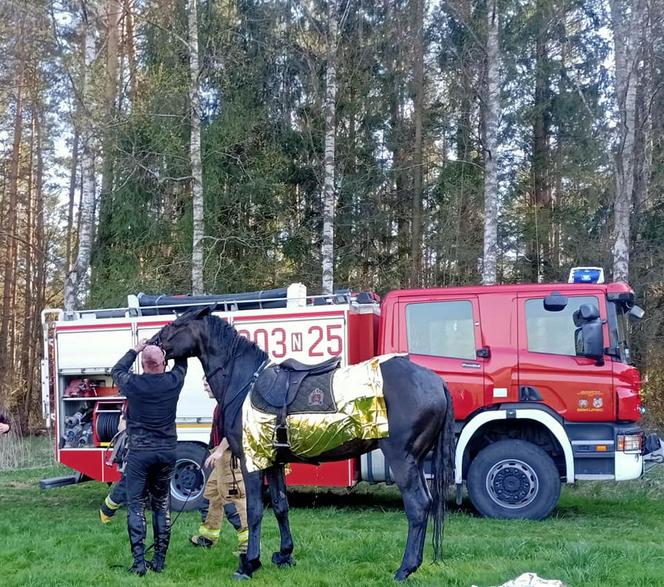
361,414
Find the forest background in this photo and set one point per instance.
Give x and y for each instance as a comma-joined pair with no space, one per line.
176,146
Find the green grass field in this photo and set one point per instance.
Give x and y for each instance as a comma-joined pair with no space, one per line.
601,535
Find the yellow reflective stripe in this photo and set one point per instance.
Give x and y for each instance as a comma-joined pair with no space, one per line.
207,532
111,504
209,425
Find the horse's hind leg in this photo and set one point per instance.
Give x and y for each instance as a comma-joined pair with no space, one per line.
409,477
253,486
279,502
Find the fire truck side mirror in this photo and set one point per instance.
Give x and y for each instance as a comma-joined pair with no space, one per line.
590,339
555,302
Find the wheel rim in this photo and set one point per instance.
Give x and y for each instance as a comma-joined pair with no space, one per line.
188,481
512,484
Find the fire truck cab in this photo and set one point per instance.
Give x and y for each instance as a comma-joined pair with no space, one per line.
540,375
542,383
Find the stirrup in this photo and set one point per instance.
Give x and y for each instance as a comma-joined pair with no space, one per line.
281,439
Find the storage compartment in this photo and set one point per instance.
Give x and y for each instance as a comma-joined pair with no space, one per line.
76,428
81,351
90,409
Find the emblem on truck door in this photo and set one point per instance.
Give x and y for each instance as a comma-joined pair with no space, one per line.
590,401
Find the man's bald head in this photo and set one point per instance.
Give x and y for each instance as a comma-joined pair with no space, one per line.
153,359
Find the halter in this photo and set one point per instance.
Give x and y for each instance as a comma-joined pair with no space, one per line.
229,409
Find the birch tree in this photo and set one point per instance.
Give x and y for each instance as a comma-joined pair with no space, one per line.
418,161
78,274
197,287
491,114
626,18
329,160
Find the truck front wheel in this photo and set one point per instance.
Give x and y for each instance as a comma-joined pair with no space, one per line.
513,479
189,477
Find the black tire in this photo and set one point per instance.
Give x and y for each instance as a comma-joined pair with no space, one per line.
189,477
513,479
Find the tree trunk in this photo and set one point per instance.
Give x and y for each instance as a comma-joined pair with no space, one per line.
77,277
130,48
197,286
327,249
113,14
540,201
418,171
72,196
492,110
29,310
39,287
10,226
626,38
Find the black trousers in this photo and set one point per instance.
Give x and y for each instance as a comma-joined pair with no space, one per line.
148,475
118,492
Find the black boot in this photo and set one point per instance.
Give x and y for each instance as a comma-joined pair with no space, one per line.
136,527
162,536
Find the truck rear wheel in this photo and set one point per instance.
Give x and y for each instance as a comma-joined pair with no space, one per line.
189,477
513,479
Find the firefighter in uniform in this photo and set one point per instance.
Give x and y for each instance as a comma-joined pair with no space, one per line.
224,489
152,439
117,496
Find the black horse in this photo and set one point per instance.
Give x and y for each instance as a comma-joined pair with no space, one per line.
420,418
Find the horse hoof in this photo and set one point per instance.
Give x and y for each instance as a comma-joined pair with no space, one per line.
401,575
246,568
283,559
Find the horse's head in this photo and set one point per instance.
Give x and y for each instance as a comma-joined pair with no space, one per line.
184,336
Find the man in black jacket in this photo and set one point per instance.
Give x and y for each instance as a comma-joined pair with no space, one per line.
151,405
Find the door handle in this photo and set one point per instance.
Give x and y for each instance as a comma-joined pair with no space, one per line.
483,353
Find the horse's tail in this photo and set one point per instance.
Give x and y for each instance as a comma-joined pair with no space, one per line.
443,475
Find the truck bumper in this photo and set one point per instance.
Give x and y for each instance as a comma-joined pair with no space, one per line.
632,466
610,451
628,466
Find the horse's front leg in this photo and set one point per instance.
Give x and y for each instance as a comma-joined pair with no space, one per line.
279,500
253,486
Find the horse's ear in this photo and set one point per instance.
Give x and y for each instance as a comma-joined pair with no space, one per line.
204,311
193,314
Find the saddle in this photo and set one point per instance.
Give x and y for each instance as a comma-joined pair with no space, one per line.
294,388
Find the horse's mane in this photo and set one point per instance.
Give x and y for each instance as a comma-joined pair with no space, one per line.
232,342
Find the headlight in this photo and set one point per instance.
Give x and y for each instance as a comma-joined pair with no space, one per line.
629,443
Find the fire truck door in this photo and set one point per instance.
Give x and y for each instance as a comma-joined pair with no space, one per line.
549,369
444,335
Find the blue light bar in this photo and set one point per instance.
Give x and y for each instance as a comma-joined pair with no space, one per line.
586,275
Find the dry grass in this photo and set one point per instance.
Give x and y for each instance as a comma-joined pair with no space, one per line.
25,452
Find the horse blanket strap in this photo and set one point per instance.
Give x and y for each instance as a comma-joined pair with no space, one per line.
233,405
328,409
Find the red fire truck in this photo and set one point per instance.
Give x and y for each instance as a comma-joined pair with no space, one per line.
543,389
